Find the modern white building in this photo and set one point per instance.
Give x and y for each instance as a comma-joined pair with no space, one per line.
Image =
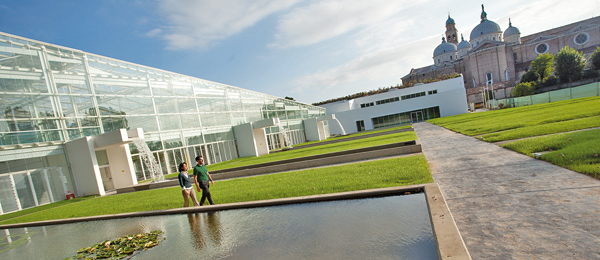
71,120
399,106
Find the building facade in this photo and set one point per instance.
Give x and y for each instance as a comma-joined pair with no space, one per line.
497,58
52,96
399,106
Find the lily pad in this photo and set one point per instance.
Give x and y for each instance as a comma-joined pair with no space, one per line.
119,248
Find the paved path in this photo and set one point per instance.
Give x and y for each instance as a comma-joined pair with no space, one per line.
510,206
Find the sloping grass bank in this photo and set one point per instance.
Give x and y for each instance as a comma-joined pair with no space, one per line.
360,176
521,117
354,135
323,149
578,151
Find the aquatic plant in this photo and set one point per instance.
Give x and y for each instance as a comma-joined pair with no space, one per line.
119,248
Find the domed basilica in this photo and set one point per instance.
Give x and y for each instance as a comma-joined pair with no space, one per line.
497,58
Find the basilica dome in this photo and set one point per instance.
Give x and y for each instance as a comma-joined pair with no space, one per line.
463,44
511,30
444,47
449,21
485,27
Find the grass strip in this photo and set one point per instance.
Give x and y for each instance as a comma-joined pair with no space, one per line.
359,176
537,130
512,118
322,149
355,135
578,151
41,208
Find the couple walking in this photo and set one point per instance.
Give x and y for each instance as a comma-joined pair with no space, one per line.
201,178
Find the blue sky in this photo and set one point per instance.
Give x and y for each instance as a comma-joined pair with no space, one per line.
309,50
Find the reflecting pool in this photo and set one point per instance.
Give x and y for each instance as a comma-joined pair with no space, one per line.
396,227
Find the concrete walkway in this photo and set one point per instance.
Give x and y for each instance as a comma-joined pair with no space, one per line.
510,206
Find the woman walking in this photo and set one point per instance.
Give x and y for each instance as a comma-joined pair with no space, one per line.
187,190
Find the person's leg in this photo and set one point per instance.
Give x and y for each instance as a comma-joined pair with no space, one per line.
186,200
206,193
193,196
203,188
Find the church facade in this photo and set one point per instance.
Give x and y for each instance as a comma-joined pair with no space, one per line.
497,59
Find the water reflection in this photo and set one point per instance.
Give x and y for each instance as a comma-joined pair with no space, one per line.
384,228
206,229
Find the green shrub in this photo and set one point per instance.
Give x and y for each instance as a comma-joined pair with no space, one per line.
530,76
523,89
569,64
550,81
591,74
595,59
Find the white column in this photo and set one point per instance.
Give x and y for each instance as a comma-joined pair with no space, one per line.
14,188
48,187
8,238
63,179
35,200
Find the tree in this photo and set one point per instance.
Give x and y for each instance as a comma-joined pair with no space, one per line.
595,59
530,76
569,64
523,89
543,65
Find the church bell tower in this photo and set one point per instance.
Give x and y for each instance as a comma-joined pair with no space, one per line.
451,32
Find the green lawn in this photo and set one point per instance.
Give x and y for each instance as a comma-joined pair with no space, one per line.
521,117
578,151
322,149
360,176
355,135
544,129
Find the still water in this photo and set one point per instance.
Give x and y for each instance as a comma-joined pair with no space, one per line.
395,227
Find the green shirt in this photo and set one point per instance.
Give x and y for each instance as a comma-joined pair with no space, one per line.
201,172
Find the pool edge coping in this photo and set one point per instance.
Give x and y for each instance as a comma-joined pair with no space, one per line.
449,242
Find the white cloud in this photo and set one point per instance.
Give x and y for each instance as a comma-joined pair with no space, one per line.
199,24
390,63
154,33
323,20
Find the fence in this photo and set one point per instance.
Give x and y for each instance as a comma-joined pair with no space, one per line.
588,90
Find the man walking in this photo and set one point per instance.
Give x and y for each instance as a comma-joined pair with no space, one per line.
201,178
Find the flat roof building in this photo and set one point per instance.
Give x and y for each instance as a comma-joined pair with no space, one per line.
399,106
70,117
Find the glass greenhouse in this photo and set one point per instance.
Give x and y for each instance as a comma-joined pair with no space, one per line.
51,94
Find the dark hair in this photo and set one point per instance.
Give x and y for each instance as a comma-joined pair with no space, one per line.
198,157
181,166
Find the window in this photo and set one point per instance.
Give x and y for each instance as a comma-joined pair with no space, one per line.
515,56
489,79
360,125
581,38
431,92
366,105
506,75
385,101
413,95
404,117
541,48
